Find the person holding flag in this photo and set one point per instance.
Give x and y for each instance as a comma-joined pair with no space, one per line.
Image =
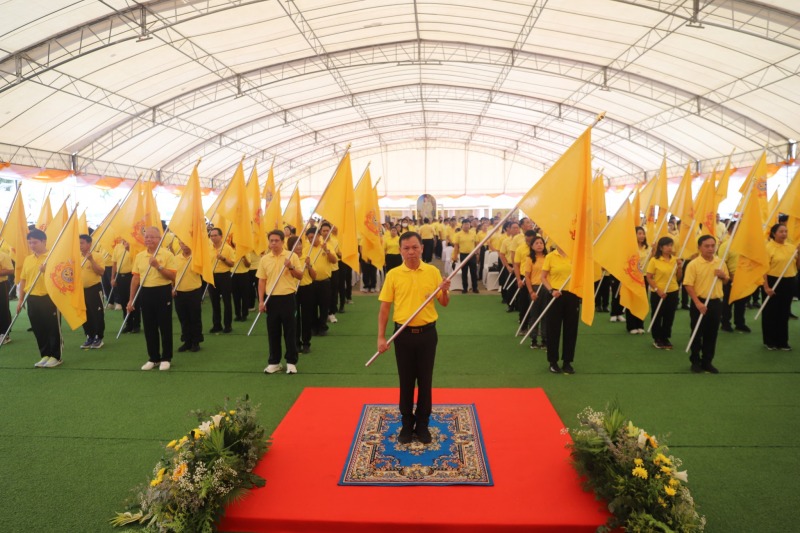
220,291
92,269
564,314
188,295
699,283
784,260
121,281
6,270
42,312
154,269
663,272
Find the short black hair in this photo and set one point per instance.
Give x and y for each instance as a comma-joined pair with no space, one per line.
704,238
311,231
409,235
293,239
276,232
325,223
37,234
215,229
86,238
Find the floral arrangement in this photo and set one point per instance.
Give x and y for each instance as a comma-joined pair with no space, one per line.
201,473
634,473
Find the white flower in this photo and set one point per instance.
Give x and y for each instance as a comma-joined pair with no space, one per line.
205,427
681,476
216,419
642,440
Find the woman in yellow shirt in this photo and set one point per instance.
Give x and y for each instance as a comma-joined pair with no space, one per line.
782,254
391,246
564,311
634,324
663,268
531,270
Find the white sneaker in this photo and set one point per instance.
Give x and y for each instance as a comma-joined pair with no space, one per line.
634,332
52,362
612,319
42,362
332,319
148,365
640,331
621,318
271,369
164,365
5,339
117,307
291,369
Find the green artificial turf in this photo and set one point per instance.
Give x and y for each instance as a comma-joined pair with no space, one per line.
76,439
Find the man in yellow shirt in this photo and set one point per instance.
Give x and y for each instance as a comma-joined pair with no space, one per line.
154,269
188,295
278,272
306,302
42,312
6,269
121,284
427,233
699,281
407,287
506,255
91,271
220,292
464,243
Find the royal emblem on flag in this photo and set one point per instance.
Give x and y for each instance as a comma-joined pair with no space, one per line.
63,277
371,222
573,227
138,231
257,217
632,270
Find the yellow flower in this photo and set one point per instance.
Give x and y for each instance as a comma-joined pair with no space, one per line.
670,491
638,462
159,478
652,440
662,503
178,473
661,458
640,472
231,412
666,469
172,444
674,483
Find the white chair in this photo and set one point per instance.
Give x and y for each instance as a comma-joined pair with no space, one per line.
492,281
488,260
447,259
456,282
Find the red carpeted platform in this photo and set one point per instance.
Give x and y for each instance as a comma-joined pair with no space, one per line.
535,486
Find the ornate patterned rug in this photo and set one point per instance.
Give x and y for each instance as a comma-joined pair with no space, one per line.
455,457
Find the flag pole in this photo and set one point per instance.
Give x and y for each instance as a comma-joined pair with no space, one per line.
672,274
275,283
783,273
16,194
216,261
599,283
180,278
714,281
95,241
521,324
38,274
485,239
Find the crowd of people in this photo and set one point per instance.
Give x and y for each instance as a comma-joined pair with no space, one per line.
300,283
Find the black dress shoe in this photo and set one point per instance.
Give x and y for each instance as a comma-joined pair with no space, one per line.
567,369
194,348
306,349
215,329
554,368
423,434
183,347
726,327
696,368
227,330
406,434
711,369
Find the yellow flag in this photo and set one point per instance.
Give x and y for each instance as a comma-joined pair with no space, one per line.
748,242
618,252
599,216
636,206
83,226
658,199
705,207
57,224
151,215
683,207
62,274
292,215
234,207
273,218
45,215
567,218
722,186
758,175
772,208
337,205
103,236
367,212
130,222
790,206
256,211
189,226
15,233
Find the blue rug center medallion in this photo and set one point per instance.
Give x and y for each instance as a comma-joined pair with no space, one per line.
455,457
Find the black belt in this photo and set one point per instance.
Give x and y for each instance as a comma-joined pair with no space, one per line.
415,329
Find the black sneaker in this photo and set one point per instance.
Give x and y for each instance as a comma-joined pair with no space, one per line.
194,348
696,368
306,349
711,369
554,368
772,348
793,316
227,330
215,329
567,368
667,345
743,329
657,344
726,327
786,348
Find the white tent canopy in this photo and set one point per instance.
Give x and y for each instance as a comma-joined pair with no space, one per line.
444,97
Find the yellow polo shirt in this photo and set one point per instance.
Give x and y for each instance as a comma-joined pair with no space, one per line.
30,268
700,275
241,268
191,279
227,252
516,241
408,289
333,246
154,278
779,255
426,231
270,266
465,242
532,271
319,260
558,269
123,259
661,269
88,275
306,279
521,252
254,259
5,264
391,245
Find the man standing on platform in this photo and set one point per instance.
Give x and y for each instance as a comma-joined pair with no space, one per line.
408,286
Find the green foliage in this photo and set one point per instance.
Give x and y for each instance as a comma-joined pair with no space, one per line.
201,472
631,471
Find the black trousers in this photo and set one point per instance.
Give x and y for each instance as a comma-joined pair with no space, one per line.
563,316
502,280
427,250
613,285
46,325
123,295
333,302
632,322
369,276
345,283
105,279
662,327
240,287
220,292
156,305
437,248
775,322
542,299
735,309
601,301
704,344
305,314
392,260
190,314
322,295
522,302
415,354
5,312
281,322
252,290
470,267
95,325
